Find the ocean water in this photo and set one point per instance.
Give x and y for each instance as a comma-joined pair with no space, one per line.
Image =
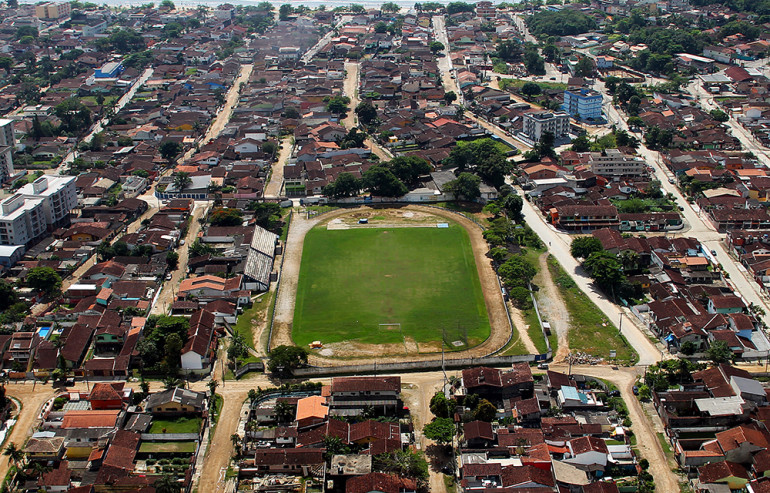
405,4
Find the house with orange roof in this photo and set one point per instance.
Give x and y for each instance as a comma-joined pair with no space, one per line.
311,411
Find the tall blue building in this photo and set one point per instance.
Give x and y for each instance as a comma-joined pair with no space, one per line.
583,104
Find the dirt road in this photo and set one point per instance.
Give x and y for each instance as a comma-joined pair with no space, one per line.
274,186
32,398
646,437
521,326
552,308
284,308
350,89
169,288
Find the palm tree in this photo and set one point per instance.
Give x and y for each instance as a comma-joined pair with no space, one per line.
167,484
14,454
236,440
171,382
182,180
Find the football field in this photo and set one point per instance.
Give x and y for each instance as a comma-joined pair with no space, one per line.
390,285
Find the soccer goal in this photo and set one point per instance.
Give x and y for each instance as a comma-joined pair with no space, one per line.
390,327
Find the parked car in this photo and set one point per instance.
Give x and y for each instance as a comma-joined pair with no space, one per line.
714,253
542,366
636,390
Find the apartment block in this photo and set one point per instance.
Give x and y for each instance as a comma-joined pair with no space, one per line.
536,124
612,162
583,104
52,10
59,197
22,220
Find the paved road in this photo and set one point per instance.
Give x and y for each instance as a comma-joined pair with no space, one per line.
699,227
310,53
445,62
350,89
99,126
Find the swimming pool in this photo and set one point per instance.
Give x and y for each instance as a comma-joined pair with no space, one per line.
44,331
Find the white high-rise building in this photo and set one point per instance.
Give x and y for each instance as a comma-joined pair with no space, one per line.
22,220
7,144
59,194
37,208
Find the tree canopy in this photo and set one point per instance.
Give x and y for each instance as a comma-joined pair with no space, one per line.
440,429
284,359
584,246
560,23
44,279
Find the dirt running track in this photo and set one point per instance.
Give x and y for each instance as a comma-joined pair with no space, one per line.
284,307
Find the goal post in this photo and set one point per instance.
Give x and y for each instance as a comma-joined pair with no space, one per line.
393,326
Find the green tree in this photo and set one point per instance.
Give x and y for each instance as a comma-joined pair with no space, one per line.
346,185
44,279
581,144
390,7
284,412
450,97
512,204
530,89
719,115
441,407
284,359
584,246
284,12
687,348
227,217
338,104
14,454
720,352
465,186
517,271
8,295
408,169
380,181
74,115
169,149
605,269
270,148
167,484
436,46
173,352
584,67
485,411
440,429
182,180
172,260
457,7
366,112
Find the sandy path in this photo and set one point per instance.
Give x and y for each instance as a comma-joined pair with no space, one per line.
521,326
284,308
552,308
646,437
32,398
274,186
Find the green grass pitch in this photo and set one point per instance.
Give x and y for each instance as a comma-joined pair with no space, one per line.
351,281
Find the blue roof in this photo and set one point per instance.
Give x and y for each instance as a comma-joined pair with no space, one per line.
570,393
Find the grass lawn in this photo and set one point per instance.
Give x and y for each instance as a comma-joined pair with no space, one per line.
519,83
178,425
590,331
535,331
167,447
423,278
244,327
